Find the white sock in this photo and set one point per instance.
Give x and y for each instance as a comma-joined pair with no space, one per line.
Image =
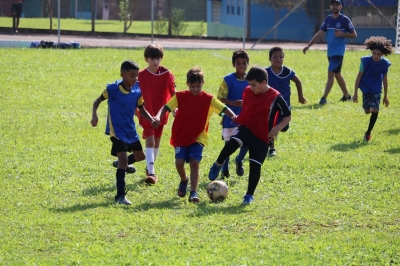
150,160
156,153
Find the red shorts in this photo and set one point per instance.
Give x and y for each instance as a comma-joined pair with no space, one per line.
151,131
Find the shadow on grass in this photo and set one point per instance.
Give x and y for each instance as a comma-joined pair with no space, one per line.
206,208
395,131
348,146
393,151
106,188
82,207
309,106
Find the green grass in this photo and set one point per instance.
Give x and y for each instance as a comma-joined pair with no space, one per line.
327,198
113,26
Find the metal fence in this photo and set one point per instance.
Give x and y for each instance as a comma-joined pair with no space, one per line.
198,17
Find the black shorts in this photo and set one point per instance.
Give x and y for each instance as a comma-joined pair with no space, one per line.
258,148
16,9
120,146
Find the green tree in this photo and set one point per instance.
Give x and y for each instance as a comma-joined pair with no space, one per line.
126,13
178,21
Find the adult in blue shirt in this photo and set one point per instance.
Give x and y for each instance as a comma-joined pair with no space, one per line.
338,27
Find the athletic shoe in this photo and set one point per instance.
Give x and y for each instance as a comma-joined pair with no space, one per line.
122,200
214,172
151,179
345,99
193,197
248,199
272,152
130,169
239,169
182,188
367,137
225,174
323,100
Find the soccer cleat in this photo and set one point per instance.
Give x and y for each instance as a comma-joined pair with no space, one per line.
182,188
214,171
130,169
120,199
151,179
193,197
225,174
272,152
239,169
323,100
248,199
345,99
367,137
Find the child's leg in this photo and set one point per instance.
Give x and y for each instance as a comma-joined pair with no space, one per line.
120,174
156,146
180,168
374,116
225,166
194,174
230,147
150,143
242,153
254,177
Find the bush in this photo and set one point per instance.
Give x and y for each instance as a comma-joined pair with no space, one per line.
160,25
178,26
199,30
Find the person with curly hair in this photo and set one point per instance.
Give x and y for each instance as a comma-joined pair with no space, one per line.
372,74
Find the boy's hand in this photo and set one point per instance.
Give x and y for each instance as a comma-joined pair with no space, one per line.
355,98
339,33
94,120
234,119
174,112
238,103
156,122
302,100
273,133
386,101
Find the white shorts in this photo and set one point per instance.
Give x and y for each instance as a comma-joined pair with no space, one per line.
227,133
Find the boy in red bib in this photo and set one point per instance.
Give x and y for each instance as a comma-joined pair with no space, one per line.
190,127
256,126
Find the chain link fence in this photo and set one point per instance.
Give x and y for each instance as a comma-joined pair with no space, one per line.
212,18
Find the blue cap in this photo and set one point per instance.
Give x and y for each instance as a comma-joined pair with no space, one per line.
336,1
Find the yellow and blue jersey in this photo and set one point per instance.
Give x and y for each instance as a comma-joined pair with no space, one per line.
122,105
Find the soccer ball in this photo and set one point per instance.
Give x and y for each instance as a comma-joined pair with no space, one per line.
217,191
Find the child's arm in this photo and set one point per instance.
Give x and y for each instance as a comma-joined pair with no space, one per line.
356,85
160,113
145,114
299,87
238,103
275,130
385,90
96,105
231,114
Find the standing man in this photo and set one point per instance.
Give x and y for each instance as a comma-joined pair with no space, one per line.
338,28
16,11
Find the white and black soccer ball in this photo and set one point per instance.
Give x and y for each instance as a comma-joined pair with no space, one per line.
217,191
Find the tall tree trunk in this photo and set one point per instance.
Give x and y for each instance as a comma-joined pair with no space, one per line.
248,3
169,11
93,14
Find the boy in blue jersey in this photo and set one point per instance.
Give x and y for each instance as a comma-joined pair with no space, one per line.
230,93
124,97
279,77
338,27
373,72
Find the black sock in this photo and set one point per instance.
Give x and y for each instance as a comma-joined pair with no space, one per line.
120,177
254,177
131,159
230,147
372,120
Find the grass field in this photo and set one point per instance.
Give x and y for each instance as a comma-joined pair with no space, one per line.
327,198
111,26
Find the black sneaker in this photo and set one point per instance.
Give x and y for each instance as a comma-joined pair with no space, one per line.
182,188
345,99
225,174
323,100
239,169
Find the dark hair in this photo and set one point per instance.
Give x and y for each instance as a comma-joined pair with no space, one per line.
154,51
194,75
275,49
129,65
240,53
379,43
257,73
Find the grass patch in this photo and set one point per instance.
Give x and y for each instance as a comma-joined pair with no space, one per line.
327,198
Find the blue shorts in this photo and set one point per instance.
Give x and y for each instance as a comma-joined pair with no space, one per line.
335,63
194,151
371,100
